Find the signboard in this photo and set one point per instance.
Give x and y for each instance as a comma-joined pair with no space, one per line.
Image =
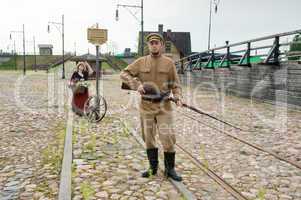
97,36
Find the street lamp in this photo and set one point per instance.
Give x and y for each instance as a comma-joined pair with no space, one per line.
141,21
215,2
14,52
74,48
61,24
23,33
15,55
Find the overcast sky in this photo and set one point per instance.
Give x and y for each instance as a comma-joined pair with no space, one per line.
236,20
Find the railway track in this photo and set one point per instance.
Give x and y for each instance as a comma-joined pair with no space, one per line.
206,170
255,146
219,180
224,185
210,173
213,175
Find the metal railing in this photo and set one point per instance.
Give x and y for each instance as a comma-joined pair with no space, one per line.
242,53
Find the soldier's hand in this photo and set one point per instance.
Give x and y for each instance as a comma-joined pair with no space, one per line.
179,103
141,89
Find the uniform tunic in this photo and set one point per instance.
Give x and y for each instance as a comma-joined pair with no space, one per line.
161,73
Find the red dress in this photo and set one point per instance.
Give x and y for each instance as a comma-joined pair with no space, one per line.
79,99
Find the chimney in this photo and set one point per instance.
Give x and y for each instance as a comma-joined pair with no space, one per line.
160,29
169,32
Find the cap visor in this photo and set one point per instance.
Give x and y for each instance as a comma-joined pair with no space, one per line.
154,39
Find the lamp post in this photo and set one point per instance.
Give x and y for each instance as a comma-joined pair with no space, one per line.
74,48
35,54
62,31
215,2
141,21
15,55
23,33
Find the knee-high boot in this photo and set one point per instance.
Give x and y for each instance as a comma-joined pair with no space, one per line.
169,161
152,155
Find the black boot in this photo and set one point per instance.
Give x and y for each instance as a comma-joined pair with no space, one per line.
152,155
169,161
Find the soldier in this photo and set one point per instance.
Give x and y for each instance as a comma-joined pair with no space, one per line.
155,78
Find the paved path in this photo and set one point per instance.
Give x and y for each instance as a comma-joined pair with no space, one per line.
107,160
250,171
31,131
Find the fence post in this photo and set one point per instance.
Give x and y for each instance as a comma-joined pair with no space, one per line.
212,59
277,51
228,54
249,54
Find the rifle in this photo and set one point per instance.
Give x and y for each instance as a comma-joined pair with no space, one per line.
126,87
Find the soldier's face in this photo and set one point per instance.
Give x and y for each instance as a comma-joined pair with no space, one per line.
155,46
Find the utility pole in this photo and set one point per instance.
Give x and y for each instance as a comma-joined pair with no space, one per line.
35,55
215,2
141,20
24,56
142,31
63,45
15,55
62,31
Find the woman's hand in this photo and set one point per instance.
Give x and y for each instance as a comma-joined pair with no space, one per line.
88,67
71,84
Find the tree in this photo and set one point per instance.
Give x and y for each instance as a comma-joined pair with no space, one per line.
296,44
295,48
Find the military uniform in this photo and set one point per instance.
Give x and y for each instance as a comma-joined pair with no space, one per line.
158,72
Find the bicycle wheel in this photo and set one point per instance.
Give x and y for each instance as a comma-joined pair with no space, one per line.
95,108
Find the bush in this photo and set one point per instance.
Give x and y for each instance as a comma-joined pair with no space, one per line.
296,44
295,48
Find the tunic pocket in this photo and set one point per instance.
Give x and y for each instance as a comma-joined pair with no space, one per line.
163,76
144,73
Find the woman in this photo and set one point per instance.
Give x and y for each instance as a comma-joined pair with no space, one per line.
79,98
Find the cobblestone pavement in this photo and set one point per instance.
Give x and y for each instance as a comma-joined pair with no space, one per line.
194,179
255,174
30,138
252,172
107,160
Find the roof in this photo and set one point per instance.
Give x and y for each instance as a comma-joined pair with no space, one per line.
87,57
45,46
180,39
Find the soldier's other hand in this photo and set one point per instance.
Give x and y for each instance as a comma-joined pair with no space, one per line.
179,103
141,89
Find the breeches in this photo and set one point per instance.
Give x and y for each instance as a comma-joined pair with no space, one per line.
161,124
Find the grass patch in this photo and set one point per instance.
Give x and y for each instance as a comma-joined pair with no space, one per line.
74,136
182,198
203,156
125,129
261,194
87,191
9,65
82,127
105,65
17,63
91,145
43,187
52,155
107,120
121,63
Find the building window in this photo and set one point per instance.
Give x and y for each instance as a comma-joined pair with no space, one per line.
168,47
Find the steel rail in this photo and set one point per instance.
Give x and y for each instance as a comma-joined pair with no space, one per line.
255,146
